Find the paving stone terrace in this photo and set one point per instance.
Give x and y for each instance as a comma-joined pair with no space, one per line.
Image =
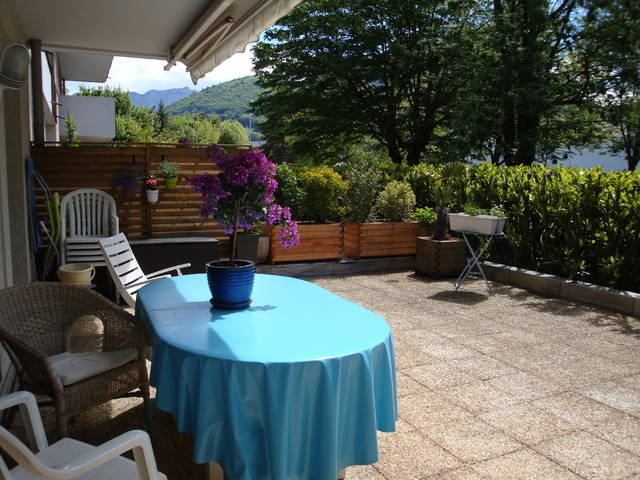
513,386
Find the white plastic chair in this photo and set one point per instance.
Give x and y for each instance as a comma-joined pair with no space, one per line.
124,269
69,458
86,215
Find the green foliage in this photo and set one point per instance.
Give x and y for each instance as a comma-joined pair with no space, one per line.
70,131
364,178
324,195
472,209
571,222
161,119
425,216
396,202
497,212
233,133
196,128
289,191
168,169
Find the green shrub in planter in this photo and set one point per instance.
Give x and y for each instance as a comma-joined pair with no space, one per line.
396,202
324,191
289,190
364,181
425,216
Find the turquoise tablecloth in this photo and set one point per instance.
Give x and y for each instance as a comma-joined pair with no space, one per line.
294,387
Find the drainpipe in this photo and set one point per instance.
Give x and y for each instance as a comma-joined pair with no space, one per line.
36,90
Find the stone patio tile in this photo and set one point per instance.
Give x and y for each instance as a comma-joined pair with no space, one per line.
490,343
464,473
630,382
364,472
407,354
524,464
569,374
411,455
466,327
614,395
623,431
472,440
590,456
576,409
524,386
407,386
605,369
438,346
528,424
402,426
483,366
439,374
424,411
479,397
605,348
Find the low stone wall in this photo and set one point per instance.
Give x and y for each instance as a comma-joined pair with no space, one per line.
553,286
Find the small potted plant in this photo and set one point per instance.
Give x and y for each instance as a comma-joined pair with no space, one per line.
151,187
169,171
127,182
241,195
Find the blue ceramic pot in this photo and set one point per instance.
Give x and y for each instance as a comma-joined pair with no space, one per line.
231,283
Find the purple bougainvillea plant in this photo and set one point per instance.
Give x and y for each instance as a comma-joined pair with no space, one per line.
241,195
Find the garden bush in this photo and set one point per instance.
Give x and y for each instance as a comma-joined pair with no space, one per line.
575,223
365,181
324,195
289,191
396,202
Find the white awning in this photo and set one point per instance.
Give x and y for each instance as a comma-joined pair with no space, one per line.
225,29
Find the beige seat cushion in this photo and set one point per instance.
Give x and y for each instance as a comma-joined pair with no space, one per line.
74,367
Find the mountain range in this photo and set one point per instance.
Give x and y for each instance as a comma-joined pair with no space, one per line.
153,97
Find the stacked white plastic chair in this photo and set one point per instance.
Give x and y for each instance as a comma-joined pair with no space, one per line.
71,459
125,270
86,215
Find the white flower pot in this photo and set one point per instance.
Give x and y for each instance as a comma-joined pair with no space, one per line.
152,196
487,224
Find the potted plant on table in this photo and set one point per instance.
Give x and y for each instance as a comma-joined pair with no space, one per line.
478,220
169,171
151,187
241,195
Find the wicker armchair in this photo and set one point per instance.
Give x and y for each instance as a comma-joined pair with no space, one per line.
35,324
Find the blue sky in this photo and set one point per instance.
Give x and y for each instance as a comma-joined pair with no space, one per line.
139,75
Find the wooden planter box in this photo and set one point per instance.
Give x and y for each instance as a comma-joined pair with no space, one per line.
379,239
440,258
317,242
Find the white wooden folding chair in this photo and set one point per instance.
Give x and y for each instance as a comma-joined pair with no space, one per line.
124,269
86,215
71,459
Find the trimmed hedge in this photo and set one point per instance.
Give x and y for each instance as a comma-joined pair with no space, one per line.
575,223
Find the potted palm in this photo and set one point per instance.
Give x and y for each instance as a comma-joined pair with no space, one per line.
240,196
441,255
169,171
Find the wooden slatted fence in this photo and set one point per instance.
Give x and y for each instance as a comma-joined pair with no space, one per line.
98,165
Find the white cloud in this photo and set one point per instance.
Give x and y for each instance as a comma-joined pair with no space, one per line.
141,75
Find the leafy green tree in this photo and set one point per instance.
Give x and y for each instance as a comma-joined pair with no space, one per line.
337,70
160,119
613,29
233,133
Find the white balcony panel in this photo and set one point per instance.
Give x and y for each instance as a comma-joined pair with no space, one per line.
95,117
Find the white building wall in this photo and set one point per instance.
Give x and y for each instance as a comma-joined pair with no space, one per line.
95,117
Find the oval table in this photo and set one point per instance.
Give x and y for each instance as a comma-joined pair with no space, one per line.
293,387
